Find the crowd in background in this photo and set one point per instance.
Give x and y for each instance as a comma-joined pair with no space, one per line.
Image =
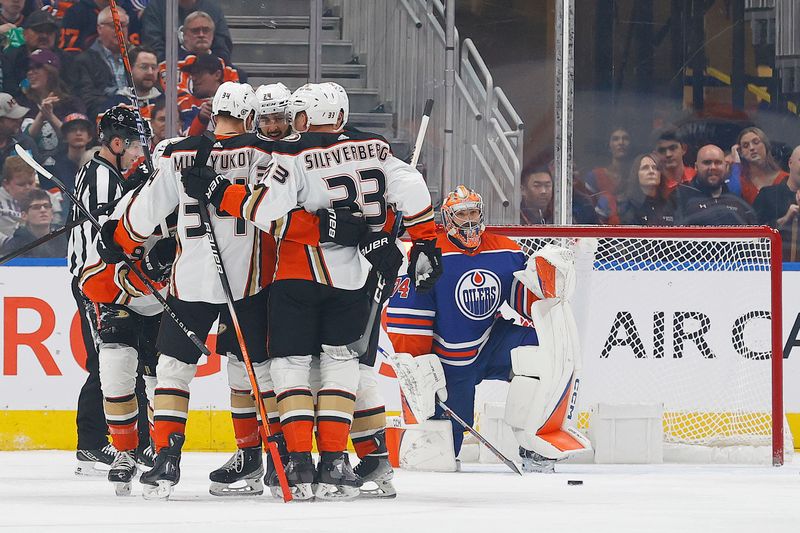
62,69
748,183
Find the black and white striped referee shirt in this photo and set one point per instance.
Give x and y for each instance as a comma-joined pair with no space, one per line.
96,184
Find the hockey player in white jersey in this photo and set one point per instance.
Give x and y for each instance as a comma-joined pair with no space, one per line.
318,304
272,102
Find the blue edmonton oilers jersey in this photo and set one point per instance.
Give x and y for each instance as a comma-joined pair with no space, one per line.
455,318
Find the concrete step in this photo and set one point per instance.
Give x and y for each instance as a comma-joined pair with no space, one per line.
265,7
281,28
377,122
258,50
296,74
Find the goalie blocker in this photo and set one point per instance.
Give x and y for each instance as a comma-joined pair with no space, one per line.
541,365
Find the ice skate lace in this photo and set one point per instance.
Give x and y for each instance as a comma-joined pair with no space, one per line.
149,453
235,463
124,459
109,449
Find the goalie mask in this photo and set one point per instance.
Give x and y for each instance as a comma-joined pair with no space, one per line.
462,215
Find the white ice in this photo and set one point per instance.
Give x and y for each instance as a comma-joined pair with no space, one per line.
39,492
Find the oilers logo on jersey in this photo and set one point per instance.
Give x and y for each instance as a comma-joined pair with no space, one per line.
478,293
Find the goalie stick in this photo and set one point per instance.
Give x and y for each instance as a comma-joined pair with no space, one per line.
200,159
93,220
360,346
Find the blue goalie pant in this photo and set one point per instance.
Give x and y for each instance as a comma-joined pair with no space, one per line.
493,362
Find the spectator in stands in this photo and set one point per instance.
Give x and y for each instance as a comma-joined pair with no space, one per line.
144,71
11,16
99,71
49,101
705,201
779,205
537,197
36,221
158,123
18,179
672,149
81,26
77,132
644,199
754,164
40,30
605,183
154,32
11,116
207,74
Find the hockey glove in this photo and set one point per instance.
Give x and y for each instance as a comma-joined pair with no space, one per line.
383,254
204,184
341,226
136,177
425,265
158,261
107,248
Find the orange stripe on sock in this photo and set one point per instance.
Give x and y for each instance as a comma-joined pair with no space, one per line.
298,435
163,430
332,435
124,437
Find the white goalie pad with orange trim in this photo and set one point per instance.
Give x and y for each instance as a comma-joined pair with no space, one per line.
542,397
421,381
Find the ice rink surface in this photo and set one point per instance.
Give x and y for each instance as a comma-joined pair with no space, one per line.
39,492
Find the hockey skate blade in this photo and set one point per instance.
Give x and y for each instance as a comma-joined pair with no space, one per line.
161,491
329,492
383,490
241,488
90,469
300,493
122,488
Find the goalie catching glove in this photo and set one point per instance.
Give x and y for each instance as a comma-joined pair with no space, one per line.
421,380
204,184
425,265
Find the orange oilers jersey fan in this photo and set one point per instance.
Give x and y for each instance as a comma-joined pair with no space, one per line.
367,178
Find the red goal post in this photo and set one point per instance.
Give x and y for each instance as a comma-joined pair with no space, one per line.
704,261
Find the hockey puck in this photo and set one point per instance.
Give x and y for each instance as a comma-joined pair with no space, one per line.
574,482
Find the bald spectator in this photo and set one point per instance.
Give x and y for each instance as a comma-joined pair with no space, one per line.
99,72
672,150
778,206
155,33
79,28
705,200
40,30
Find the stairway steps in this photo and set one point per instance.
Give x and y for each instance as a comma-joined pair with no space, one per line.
258,50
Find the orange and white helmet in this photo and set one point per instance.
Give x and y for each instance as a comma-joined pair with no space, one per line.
464,229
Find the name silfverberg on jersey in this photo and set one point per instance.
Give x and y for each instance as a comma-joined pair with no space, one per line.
219,161
337,155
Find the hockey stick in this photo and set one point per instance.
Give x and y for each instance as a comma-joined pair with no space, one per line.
123,50
55,233
360,346
200,158
497,453
93,220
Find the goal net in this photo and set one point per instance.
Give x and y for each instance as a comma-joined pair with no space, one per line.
688,318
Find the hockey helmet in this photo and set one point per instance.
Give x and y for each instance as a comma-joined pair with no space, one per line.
236,99
121,121
464,227
321,102
344,100
272,98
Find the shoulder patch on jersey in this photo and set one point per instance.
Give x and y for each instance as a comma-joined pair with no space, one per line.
478,293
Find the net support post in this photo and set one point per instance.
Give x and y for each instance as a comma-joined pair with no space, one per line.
776,274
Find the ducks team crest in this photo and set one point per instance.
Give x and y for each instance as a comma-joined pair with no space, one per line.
478,294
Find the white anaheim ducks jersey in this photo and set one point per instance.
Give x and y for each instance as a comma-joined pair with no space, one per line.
242,159
314,171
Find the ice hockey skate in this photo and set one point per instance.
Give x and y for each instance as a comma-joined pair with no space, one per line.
240,476
92,462
166,472
122,472
532,462
271,475
146,457
376,470
335,478
300,475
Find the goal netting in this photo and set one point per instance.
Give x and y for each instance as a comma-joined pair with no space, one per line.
681,317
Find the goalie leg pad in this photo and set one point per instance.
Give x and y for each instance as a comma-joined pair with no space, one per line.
295,403
421,380
428,447
335,400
